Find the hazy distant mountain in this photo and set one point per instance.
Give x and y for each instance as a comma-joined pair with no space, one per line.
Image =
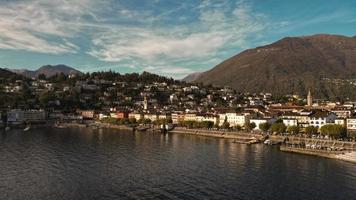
48,70
6,75
291,65
192,77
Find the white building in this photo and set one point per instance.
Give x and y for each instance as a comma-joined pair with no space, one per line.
290,122
234,119
319,118
351,124
151,116
136,116
340,121
20,116
258,121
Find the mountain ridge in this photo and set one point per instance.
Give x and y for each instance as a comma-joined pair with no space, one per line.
48,71
289,65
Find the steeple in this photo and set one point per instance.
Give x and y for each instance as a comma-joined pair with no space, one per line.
309,99
145,103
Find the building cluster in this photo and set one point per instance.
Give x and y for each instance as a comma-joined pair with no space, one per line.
99,98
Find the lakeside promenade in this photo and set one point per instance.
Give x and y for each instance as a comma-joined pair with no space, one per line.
346,152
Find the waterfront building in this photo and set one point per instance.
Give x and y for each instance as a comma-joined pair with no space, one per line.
321,117
135,115
342,112
119,115
211,118
234,118
151,116
351,124
190,117
177,117
86,114
18,116
290,122
35,115
340,121
164,116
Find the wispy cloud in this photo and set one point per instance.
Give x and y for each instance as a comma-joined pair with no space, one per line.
165,42
217,26
41,26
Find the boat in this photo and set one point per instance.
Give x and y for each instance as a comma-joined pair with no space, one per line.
268,142
142,128
166,127
27,128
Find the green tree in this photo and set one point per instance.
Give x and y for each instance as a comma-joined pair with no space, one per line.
264,126
279,120
132,121
238,127
146,121
333,130
293,129
311,130
278,128
250,126
225,125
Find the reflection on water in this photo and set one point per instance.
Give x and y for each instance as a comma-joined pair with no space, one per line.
111,164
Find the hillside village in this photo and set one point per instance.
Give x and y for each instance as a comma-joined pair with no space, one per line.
147,98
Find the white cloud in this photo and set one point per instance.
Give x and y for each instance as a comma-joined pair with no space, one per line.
40,25
129,37
218,26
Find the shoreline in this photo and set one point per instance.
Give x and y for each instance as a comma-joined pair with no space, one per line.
346,156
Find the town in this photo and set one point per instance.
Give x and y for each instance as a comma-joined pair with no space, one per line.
146,98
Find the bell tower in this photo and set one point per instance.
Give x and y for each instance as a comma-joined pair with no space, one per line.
309,99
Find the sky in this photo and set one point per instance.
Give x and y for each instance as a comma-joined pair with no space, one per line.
168,37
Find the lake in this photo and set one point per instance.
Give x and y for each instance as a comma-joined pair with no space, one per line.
110,164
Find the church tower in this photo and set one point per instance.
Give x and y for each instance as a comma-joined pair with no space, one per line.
309,99
145,104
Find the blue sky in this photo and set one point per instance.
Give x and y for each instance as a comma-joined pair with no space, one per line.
168,37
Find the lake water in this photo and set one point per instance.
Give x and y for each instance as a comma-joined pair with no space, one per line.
109,164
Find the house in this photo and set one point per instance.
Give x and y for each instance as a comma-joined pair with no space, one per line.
86,114
164,116
321,117
177,117
20,116
234,119
15,116
211,118
151,116
290,122
340,121
342,112
351,124
35,115
301,118
135,115
119,115
190,117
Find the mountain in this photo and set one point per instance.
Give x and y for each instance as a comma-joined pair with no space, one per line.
192,77
292,65
8,76
48,70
